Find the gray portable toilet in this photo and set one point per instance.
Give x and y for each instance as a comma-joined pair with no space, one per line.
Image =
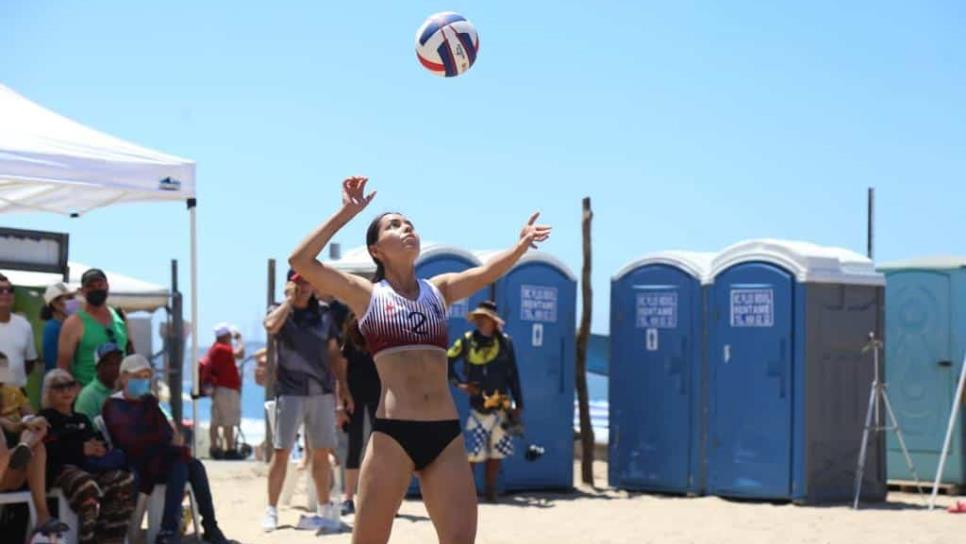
925,342
788,381
656,400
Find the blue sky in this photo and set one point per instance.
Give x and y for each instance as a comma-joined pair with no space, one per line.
691,125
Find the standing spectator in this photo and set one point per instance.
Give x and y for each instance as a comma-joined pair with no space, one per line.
261,366
16,338
226,395
58,304
156,452
364,387
93,325
490,377
93,478
92,396
305,387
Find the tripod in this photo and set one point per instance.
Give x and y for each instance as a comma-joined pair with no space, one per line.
873,419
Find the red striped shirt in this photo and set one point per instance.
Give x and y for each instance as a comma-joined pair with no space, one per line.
395,323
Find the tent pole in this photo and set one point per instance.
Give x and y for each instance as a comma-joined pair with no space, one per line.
192,210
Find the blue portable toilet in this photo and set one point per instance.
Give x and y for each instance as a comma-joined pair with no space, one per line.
435,259
788,381
925,342
538,299
655,388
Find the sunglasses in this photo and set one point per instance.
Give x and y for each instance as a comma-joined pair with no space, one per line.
63,386
6,290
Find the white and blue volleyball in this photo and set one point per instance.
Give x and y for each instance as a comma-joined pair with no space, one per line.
447,44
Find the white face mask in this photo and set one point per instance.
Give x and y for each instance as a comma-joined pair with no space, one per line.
71,306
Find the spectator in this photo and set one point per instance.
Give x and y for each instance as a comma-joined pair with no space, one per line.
92,396
261,366
226,394
364,387
58,304
156,452
93,478
23,457
305,386
16,338
490,377
93,325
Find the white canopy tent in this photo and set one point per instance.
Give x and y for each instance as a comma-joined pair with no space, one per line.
49,163
127,293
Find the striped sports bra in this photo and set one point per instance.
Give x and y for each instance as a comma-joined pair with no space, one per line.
393,323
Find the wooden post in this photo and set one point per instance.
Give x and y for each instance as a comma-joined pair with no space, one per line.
583,335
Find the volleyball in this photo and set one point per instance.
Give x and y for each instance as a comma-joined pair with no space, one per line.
447,44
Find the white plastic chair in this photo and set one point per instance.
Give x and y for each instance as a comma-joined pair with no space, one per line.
153,504
66,514
64,511
20,497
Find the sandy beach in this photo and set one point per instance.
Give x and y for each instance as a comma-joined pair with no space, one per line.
604,515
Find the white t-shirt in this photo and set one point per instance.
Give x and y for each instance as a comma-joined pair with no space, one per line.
17,343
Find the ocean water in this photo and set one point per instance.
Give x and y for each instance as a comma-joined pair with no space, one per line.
253,404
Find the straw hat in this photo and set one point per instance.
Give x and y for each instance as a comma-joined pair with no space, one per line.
487,308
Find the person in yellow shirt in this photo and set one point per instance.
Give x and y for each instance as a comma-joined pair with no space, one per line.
23,457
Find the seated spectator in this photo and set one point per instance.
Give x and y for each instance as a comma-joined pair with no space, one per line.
155,451
23,457
93,478
92,396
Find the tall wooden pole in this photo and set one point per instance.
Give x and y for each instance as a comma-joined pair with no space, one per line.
583,335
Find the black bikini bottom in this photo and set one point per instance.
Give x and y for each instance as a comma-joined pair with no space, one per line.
422,440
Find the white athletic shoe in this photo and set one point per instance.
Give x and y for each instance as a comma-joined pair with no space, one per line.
321,525
270,523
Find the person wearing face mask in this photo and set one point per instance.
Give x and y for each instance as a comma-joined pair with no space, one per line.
59,303
93,325
156,452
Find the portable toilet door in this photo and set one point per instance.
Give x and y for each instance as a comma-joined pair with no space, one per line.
538,298
655,385
925,343
436,259
788,377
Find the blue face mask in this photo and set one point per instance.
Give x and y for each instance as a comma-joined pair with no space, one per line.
138,387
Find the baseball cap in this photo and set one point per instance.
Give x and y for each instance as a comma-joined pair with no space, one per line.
223,329
91,275
134,363
55,290
104,350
